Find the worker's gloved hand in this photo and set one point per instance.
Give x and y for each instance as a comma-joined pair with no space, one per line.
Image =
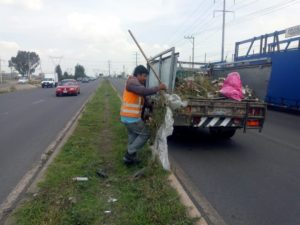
162,86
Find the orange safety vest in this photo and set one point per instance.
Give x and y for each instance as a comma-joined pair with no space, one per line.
132,105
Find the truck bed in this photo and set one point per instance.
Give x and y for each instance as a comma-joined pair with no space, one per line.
221,112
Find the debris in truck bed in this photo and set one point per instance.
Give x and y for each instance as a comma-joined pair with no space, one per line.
201,86
249,93
198,86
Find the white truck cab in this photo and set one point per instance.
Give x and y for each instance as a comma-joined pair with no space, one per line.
50,80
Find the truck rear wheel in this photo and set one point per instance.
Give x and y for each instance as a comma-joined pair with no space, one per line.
221,132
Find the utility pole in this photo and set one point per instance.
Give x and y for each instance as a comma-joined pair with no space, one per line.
193,49
29,67
136,55
205,57
224,11
56,61
136,58
124,71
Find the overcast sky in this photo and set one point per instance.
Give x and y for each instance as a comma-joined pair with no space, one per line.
92,32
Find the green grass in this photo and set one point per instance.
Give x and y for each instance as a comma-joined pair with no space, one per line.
99,142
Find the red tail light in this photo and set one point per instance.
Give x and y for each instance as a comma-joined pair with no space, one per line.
253,123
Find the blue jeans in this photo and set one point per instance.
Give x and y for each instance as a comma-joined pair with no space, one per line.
138,135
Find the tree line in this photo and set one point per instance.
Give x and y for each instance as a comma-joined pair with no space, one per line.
26,63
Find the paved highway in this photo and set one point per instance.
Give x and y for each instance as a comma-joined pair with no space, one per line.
29,121
252,179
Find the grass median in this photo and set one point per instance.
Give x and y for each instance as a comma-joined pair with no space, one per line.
111,196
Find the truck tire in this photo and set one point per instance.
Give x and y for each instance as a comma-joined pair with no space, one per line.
220,132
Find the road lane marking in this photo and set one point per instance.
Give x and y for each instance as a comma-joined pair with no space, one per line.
38,101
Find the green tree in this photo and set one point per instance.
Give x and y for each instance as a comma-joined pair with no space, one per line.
66,75
79,71
25,62
59,72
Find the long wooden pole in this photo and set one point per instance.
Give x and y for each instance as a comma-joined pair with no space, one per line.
151,66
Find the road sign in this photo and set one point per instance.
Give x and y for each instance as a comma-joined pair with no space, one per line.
292,31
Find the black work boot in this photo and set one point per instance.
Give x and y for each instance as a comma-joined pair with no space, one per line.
130,159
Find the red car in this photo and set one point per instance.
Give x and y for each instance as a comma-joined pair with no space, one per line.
67,87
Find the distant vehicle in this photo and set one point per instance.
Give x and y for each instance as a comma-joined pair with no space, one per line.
67,87
68,80
23,80
85,80
79,79
50,80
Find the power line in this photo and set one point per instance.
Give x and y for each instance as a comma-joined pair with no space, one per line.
249,16
207,23
203,23
236,22
185,21
233,23
202,17
263,11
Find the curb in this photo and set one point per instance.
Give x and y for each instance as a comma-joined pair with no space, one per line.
30,179
193,211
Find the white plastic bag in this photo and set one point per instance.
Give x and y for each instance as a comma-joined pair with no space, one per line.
160,142
160,147
174,101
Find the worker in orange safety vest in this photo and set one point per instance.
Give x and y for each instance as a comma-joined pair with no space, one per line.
131,112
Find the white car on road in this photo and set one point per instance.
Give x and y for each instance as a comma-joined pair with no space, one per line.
23,80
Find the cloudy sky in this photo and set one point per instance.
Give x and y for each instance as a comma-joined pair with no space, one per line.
93,32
